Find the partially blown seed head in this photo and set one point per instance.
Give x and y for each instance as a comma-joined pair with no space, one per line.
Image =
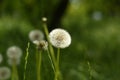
36,35
4,73
41,44
1,58
14,52
60,38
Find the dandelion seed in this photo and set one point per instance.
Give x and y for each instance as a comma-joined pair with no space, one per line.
14,52
36,35
60,38
4,73
41,44
1,58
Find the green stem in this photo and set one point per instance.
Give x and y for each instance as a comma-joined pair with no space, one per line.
17,77
37,52
50,46
58,57
57,75
39,65
26,58
52,64
14,72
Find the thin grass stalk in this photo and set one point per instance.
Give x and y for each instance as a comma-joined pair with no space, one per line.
51,61
26,59
89,70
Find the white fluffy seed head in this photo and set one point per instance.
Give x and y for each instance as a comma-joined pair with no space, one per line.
60,38
4,73
36,35
14,52
1,58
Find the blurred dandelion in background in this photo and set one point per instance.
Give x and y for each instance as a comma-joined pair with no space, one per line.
5,73
44,19
97,15
60,38
36,35
14,54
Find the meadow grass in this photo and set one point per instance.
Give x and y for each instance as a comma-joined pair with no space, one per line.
26,60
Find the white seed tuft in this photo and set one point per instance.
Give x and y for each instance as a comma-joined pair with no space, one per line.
60,38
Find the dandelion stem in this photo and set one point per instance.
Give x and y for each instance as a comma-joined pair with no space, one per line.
58,57
37,52
51,51
26,58
14,72
39,65
57,75
50,46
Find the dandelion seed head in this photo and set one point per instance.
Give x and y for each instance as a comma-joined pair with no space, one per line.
60,38
1,58
41,44
44,19
4,73
14,52
36,35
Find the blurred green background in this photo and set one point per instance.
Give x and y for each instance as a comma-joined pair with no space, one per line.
94,26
